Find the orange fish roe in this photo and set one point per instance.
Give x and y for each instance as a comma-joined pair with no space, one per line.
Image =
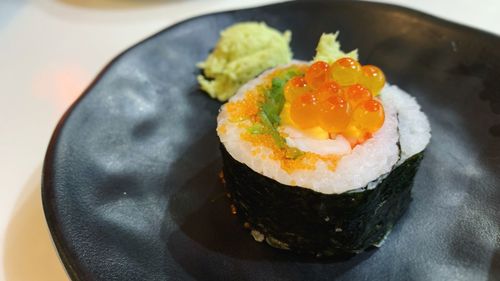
307,161
222,129
331,161
339,98
248,108
260,140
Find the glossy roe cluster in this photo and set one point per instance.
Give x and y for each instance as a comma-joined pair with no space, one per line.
339,98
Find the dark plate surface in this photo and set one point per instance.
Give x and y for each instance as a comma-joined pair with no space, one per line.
130,185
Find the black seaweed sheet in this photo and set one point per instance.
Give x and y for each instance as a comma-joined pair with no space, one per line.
306,221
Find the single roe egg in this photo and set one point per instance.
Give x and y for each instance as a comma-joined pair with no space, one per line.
334,114
357,94
368,116
372,78
317,73
295,87
303,111
345,71
328,89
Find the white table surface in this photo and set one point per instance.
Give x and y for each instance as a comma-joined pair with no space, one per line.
49,53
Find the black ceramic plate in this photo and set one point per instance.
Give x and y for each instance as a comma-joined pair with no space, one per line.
130,185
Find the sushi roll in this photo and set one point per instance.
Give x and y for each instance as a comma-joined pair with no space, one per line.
319,158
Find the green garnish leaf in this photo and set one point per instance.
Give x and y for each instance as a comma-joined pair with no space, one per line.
293,153
278,139
270,111
274,101
292,73
257,128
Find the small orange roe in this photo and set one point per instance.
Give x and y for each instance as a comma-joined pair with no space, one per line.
331,161
222,129
257,140
246,108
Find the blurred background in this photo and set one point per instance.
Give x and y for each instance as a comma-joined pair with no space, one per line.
50,51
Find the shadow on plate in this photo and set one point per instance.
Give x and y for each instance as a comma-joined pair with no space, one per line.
29,251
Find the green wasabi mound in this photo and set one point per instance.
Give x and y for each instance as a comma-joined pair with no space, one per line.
328,49
244,51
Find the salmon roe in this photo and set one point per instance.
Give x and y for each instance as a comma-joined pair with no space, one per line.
304,111
372,78
295,87
248,108
334,114
317,73
368,116
328,89
345,71
337,97
357,94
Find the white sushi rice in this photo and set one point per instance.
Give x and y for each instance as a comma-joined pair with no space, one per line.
404,123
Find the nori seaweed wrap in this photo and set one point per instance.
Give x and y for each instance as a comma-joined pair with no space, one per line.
311,194
306,221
